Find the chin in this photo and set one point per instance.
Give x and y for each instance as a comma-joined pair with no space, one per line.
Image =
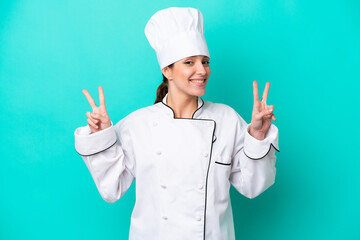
199,93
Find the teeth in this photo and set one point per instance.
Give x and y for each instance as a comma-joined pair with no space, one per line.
198,81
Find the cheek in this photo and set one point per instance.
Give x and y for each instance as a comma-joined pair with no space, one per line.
186,74
184,77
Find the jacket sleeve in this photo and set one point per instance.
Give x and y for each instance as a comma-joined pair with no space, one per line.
109,157
253,161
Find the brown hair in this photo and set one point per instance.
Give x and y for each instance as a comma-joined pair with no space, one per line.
163,88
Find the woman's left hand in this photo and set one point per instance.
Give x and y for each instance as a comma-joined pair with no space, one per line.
262,113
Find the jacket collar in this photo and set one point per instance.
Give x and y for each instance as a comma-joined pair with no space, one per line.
171,112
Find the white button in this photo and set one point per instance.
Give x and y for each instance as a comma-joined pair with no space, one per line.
163,186
155,124
198,218
158,152
205,154
200,186
164,217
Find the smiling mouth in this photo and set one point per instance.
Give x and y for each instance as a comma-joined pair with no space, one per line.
198,82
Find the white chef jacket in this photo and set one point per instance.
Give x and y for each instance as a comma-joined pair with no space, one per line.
183,168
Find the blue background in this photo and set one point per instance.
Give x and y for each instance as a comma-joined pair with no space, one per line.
50,50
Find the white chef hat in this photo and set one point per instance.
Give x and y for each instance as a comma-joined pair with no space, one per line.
176,33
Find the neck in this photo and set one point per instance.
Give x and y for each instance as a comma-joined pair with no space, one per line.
183,106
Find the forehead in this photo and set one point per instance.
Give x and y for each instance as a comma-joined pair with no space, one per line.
197,56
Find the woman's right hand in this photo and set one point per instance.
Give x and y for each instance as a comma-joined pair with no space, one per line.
99,119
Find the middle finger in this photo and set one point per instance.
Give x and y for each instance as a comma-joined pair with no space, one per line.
89,98
266,92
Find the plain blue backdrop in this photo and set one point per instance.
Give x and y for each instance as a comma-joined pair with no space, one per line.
50,50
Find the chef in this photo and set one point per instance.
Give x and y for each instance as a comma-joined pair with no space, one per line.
183,152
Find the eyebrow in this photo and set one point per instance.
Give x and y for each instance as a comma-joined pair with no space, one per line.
191,57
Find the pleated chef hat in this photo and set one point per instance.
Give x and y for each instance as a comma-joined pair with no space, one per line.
176,33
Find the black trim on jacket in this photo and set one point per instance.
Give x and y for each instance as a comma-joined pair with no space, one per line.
212,142
265,153
97,152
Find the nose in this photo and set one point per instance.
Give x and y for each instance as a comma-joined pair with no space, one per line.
200,69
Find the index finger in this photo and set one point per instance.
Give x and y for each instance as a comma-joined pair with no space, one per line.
89,98
255,91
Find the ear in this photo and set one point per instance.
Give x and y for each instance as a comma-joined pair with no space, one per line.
167,72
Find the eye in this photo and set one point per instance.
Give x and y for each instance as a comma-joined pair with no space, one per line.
204,62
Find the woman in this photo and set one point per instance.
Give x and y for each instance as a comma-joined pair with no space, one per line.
183,152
